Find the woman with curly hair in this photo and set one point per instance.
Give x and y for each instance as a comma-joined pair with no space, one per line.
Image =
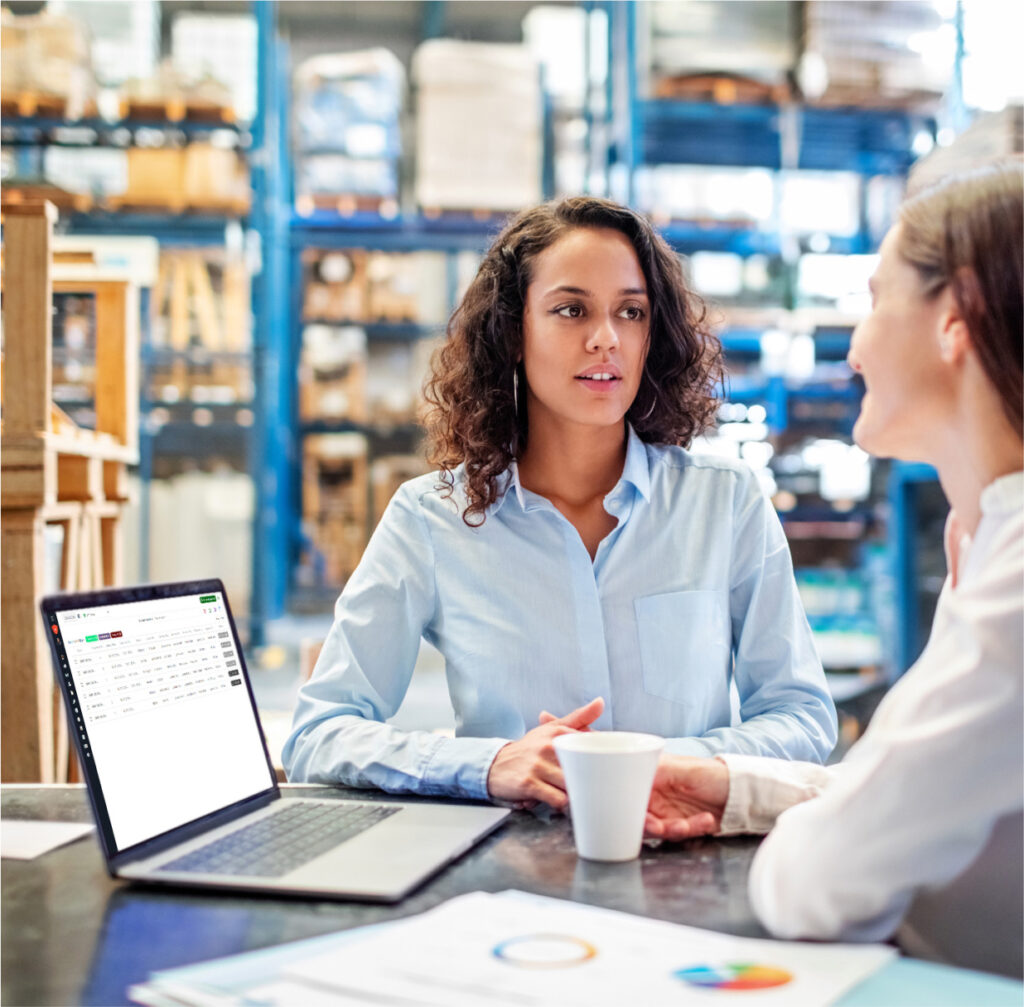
570,555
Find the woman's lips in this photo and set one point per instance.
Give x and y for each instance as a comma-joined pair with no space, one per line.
601,382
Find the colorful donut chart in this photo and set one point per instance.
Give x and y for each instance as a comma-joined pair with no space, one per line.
544,951
734,976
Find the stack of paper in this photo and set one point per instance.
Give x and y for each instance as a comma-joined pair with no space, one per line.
518,949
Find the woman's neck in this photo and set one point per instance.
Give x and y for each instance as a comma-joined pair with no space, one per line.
573,466
977,447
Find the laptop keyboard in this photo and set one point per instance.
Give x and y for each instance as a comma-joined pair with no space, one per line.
284,840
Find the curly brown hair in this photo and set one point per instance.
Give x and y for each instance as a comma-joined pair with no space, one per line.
471,414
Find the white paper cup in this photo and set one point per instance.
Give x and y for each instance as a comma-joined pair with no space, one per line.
608,777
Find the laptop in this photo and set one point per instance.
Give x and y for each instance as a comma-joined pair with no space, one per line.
181,784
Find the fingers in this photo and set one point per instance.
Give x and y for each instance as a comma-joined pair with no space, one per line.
584,715
550,718
676,829
654,827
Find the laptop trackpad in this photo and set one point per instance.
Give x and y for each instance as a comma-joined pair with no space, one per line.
393,855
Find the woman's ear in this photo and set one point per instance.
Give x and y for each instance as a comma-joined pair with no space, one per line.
954,336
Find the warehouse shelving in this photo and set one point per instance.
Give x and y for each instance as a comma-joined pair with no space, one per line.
778,137
219,434
279,311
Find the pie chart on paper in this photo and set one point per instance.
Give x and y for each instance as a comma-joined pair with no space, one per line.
736,976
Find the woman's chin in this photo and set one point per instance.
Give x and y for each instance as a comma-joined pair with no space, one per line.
868,439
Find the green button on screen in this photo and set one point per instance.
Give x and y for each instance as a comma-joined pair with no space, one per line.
90,639
204,598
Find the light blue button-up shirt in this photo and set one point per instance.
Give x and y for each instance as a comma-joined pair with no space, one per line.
692,591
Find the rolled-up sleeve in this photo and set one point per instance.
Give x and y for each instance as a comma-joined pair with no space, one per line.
362,675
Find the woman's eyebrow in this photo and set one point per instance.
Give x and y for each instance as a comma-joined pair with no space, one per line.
567,289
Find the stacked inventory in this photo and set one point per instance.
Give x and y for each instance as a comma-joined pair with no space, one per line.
347,112
369,322
479,126
877,54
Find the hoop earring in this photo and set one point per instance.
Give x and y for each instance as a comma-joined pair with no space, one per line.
515,389
646,416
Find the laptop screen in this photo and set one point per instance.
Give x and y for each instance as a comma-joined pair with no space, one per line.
157,694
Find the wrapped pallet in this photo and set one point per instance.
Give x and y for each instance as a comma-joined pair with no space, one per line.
731,52
347,114
876,54
46,57
479,126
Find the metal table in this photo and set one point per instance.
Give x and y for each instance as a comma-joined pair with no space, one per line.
72,935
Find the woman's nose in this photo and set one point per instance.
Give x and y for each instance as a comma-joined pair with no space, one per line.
852,359
603,336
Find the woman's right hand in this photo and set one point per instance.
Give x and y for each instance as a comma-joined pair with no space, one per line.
688,797
527,770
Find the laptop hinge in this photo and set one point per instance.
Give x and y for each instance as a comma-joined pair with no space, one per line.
176,837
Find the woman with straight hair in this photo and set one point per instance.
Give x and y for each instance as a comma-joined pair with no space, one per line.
918,830
570,555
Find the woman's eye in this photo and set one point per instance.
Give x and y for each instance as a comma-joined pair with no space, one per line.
633,313
570,311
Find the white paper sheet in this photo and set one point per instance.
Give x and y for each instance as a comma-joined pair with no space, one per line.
526,951
26,840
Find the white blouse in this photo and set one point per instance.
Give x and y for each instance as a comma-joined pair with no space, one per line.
919,829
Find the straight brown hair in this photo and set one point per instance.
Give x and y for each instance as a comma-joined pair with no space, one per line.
966,233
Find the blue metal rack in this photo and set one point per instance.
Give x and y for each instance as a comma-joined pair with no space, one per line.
277,432
867,141
649,132
905,480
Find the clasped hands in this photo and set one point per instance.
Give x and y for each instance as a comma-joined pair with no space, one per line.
687,799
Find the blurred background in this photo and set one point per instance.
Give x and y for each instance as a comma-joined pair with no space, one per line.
300,191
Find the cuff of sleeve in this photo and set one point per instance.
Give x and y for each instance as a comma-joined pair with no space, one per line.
761,789
459,766
748,807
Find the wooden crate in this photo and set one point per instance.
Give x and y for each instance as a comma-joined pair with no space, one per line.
388,473
54,473
156,178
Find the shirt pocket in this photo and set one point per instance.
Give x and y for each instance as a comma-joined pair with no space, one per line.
685,645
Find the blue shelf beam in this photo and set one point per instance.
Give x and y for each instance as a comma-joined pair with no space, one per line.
385,332
326,229
33,130
904,480
869,141
272,444
181,229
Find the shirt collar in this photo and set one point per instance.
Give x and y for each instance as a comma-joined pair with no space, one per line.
1004,494
636,471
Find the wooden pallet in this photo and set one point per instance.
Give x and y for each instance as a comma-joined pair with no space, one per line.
475,214
176,109
176,205
28,104
347,204
721,89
